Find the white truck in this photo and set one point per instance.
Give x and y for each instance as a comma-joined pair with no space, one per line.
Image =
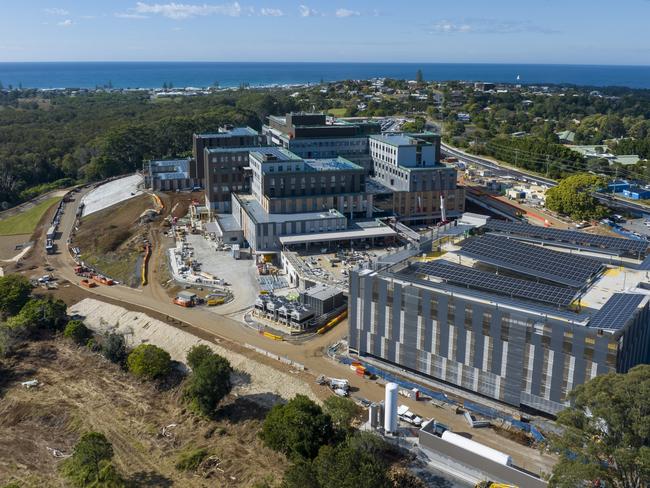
341,384
407,416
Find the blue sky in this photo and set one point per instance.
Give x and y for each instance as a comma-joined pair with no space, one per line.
501,31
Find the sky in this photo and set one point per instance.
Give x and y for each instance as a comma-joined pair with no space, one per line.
495,31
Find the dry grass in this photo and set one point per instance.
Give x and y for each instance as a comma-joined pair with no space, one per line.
80,391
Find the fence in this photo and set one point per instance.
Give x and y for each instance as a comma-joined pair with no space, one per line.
282,359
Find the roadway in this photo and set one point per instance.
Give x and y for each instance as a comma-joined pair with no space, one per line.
499,169
312,353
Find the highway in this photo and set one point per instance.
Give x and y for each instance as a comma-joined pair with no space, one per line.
611,201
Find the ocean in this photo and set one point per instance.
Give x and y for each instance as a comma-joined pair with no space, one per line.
206,74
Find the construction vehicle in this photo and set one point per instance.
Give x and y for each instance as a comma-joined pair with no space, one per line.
87,283
409,417
492,484
213,301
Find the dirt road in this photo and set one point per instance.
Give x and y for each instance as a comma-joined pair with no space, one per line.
311,354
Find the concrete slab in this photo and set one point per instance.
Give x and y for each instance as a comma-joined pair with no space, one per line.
111,193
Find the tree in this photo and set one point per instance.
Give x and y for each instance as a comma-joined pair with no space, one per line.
197,354
298,428
14,293
606,433
573,196
342,411
114,348
90,463
149,362
77,331
208,384
419,77
40,314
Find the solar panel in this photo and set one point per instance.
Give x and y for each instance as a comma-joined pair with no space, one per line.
557,266
513,287
616,311
634,246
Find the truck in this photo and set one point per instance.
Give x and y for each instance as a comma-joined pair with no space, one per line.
407,416
336,383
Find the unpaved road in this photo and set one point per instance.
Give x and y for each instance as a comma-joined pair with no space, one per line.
311,354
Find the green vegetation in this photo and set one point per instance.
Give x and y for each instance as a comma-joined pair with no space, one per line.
149,362
76,331
95,135
343,412
358,462
606,433
39,315
573,196
90,464
114,348
26,222
614,116
337,112
14,293
297,428
209,382
192,459
197,354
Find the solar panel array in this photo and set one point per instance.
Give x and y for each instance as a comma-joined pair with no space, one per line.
557,266
634,246
513,287
616,311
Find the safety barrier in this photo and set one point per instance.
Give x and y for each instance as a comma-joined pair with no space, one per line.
282,359
332,322
145,262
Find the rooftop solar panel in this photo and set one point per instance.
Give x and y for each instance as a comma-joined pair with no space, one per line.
513,287
560,267
616,311
572,237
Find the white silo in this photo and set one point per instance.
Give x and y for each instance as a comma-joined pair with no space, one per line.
390,409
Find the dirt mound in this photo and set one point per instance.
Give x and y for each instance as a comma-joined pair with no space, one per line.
80,391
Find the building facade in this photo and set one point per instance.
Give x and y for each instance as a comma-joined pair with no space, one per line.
226,137
310,136
517,351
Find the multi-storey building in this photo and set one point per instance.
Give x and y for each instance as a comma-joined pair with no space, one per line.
512,315
169,175
225,173
409,166
225,137
310,136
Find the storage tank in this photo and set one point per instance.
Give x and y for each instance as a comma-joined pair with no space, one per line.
476,448
373,415
390,409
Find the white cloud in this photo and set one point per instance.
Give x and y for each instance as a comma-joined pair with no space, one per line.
271,12
65,23
489,26
344,12
178,11
306,11
447,26
127,15
56,11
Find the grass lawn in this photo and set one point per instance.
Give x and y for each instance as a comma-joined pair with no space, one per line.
25,222
338,112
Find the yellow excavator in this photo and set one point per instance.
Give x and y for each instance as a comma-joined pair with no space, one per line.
492,484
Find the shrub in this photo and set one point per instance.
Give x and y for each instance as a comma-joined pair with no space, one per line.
149,362
14,293
90,463
208,384
114,348
197,354
77,331
298,428
191,460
